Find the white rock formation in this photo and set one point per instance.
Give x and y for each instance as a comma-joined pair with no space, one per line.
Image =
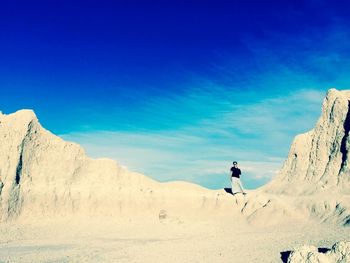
315,178
42,175
319,159
340,253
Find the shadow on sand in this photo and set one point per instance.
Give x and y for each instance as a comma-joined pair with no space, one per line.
285,255
229,191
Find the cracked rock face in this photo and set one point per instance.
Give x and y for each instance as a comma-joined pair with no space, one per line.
14,134
319,159
339,253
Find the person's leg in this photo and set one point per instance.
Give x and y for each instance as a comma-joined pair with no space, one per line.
232,186
236,188
241,186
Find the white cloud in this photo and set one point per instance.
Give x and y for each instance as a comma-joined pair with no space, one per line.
258,135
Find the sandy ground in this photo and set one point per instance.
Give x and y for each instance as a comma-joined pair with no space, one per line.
212,241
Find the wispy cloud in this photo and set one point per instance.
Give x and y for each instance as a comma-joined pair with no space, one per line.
248,112
254,134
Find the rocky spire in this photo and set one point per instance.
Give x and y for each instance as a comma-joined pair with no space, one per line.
319,159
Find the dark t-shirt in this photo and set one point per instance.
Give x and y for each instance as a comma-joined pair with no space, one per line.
236,172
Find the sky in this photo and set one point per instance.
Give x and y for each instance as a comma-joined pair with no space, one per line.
176,90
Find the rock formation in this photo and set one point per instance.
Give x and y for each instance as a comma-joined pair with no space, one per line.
42,176
339,253
319,160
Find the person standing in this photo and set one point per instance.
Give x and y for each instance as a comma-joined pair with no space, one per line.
235,179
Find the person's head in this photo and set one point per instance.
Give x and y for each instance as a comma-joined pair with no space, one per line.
235,164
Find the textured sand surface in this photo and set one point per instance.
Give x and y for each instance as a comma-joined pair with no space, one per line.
220,241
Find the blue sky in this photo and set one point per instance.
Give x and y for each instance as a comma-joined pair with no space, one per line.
176,90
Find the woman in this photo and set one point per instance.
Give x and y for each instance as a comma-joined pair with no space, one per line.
235,181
